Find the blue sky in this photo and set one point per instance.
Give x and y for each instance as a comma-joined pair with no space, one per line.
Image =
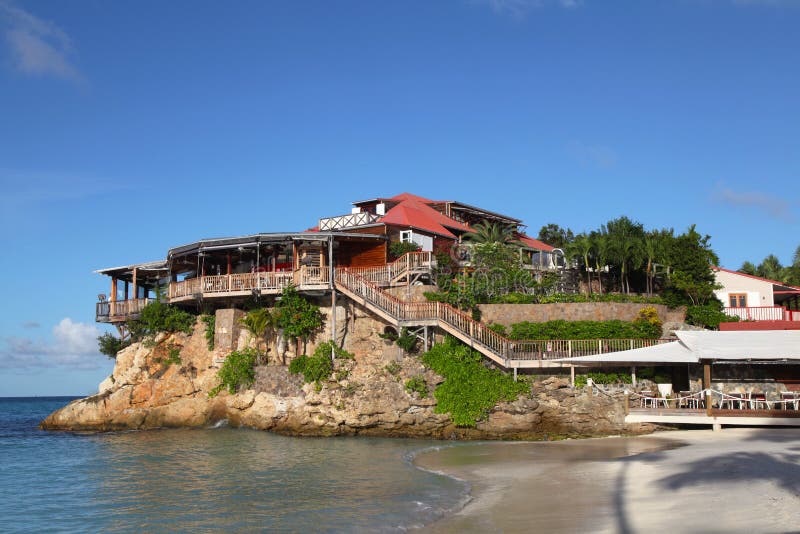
127,128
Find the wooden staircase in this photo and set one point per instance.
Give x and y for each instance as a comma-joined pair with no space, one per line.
362,286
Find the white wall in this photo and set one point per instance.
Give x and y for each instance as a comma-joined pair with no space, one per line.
759,292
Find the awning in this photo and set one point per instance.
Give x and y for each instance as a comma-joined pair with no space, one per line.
693,346
666,353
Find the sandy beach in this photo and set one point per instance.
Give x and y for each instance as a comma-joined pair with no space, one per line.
737,480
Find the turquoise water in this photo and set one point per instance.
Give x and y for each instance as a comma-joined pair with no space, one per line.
202,480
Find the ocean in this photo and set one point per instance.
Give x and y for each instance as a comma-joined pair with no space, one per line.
199,480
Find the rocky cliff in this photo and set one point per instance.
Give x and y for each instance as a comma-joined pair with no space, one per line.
150,388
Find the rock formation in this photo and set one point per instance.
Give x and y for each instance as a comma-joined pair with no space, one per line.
149,388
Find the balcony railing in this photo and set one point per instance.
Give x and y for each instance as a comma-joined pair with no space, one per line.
243,283
759,313
126,309
347,221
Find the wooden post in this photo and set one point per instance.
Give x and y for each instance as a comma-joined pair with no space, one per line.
707,385
633,376
333,297
113,296
135,285
572,375
229,263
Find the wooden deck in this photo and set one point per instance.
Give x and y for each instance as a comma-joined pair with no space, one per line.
686,416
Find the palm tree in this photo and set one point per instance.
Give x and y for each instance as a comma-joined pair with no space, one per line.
652,246
490,232
626,247
770,268
600,250
581,247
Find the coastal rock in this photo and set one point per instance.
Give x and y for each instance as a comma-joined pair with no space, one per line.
152,388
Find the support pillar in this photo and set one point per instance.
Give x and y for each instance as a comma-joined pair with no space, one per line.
633,376
135,285
707,385
333,297
572,375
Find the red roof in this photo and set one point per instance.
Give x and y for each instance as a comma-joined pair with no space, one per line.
775,282
534,243
416,212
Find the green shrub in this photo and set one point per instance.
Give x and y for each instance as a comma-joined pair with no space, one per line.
417,385
319,366
296,316
470,389
110,345
174,356
405,340
708,316
211,323
398,248
561,329
393,368
499,328
159,317
237,371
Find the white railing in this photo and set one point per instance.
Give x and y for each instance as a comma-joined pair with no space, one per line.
347,221
757,313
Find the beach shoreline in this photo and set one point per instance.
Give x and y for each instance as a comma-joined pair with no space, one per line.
740,479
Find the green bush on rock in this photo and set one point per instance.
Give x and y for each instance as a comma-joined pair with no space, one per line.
470,389
237,371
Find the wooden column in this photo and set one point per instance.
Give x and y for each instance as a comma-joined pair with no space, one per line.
113,296
707,385
135,285
229,263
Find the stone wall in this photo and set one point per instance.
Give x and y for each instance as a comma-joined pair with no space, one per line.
508,314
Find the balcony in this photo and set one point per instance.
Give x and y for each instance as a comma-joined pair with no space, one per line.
761,313
349,220
120,310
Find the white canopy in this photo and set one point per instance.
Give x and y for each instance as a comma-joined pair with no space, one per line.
747,345
693,346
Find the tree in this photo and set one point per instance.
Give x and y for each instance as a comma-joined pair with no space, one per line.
555,236
600,250
490,232
296,317
770,268
581,247
692,279
748,268
626,248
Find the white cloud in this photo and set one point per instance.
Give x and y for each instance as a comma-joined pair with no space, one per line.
598,156
520,8
38,47
73,345
775,207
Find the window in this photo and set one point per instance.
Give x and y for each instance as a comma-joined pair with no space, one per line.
406,236
737,300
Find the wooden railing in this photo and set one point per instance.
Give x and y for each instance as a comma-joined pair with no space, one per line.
120,308
476,333
402,267
757,313
243,282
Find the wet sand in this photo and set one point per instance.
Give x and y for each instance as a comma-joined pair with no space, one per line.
737,480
